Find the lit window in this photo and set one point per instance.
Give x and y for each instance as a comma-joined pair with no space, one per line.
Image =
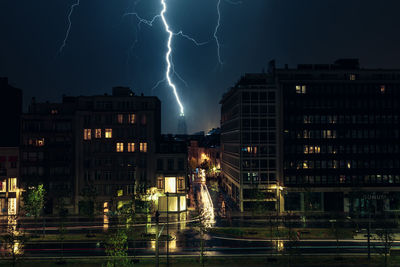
120,147
120,118
40,142
98,133
300,89
3,186
131,147
181,183
143,147
383,89
87,134
132,118
170,184
54,111
108,133
12,184
352,77
12,206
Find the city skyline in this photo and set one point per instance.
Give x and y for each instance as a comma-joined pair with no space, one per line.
98,53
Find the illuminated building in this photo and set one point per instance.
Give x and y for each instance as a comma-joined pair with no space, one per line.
9,175
337,141
171,172
205,148
105,142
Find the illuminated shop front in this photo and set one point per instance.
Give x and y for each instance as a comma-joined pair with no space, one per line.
174,187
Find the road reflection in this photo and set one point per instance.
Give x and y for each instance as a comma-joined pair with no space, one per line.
207,207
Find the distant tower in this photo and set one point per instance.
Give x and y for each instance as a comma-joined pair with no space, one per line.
182,128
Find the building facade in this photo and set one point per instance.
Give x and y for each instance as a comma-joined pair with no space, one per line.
171,173
105,143
337,141
340,132
9,175
205,151
249,138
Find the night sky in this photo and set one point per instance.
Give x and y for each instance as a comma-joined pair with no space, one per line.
100,52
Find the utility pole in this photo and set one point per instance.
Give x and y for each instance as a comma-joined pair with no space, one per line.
167,229
157,222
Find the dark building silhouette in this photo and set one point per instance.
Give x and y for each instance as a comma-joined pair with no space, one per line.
182,128
338,131
10,111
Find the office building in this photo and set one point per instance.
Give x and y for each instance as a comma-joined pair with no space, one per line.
337,141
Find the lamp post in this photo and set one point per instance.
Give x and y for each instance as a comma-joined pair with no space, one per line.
157,221
369,229
167,194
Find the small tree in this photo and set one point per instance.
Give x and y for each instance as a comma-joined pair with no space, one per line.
205,165
116,246
386,237
293,238
34,202
13,240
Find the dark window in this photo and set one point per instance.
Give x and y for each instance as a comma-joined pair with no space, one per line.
160,164
180,164
170,164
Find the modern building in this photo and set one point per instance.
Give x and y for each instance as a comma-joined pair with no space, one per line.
105,143
48,150
249,142
337,138
10,111
340,137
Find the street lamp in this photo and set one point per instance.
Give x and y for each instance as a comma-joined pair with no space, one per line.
167,194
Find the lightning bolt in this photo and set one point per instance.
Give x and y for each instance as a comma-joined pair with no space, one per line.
216,31
168,56
217,42
170,70
71,11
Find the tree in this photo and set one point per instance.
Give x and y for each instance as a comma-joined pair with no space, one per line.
13,240
34,201
127,217
293,238
386,237
205,165
116,246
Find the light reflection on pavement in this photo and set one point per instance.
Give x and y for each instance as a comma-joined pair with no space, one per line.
206,205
